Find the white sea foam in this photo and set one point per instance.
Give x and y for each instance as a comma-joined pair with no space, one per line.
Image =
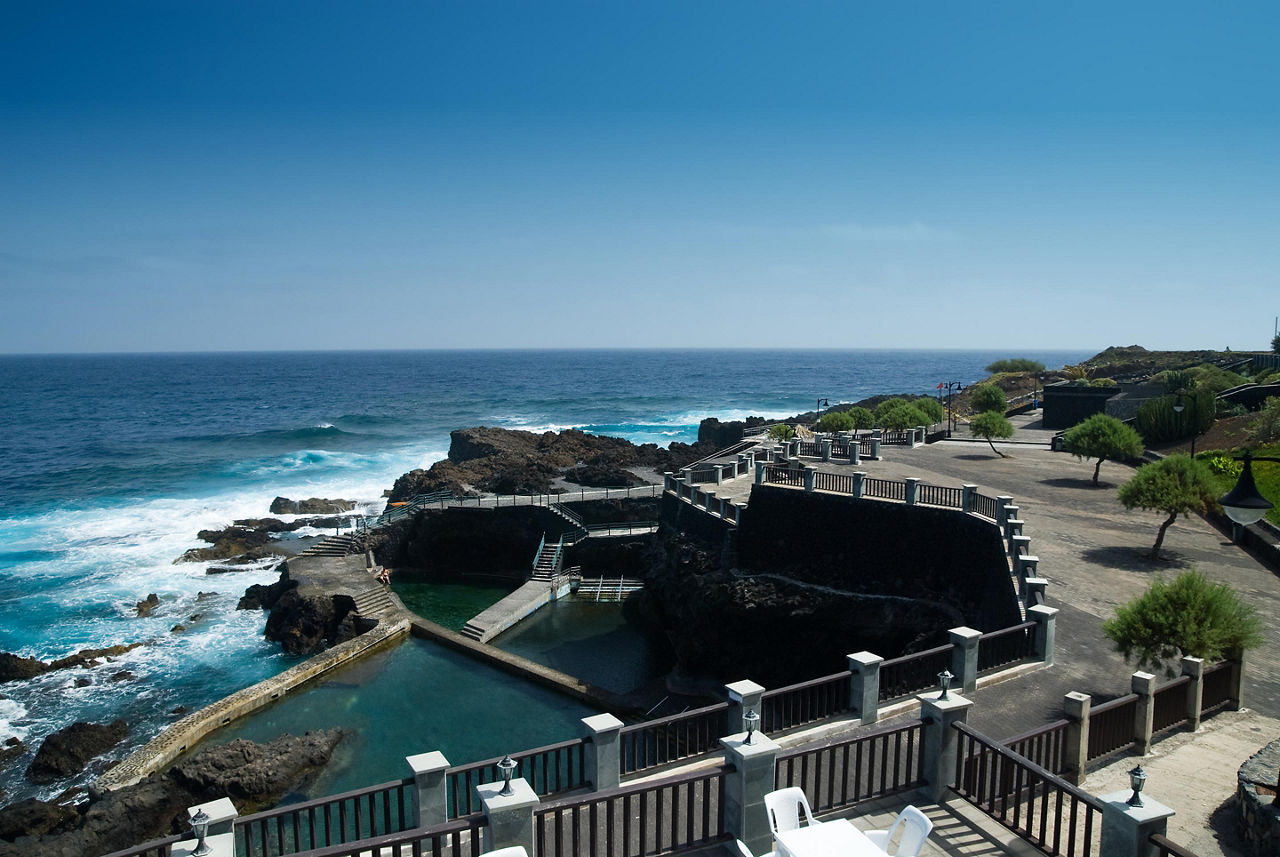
10,711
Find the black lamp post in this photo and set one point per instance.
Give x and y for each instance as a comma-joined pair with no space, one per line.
951,386
821,404
1243,504
1178,408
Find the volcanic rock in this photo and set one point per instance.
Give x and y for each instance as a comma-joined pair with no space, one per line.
250,773
229,542
32,817
13,667
68,750
310,506
148,604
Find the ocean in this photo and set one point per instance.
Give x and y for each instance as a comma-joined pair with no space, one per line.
110,465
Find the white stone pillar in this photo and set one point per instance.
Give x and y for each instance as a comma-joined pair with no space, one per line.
825,446
743,696
855,452
1193,668
859,483
1143,684
808,479
1126,830
604,758
966,497
1046,631
760,466
430,787
912,489
938,745
745,816
1075,750
1002,501
510,816
864,685
964,657
222,815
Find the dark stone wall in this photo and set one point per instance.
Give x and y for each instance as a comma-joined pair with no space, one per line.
1067,404
878,547
451,543
684,518
623,556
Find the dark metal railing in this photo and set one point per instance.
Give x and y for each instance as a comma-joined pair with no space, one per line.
998,649
809,448
984,506
1042,808
1044,745
784,476
841,483
655,743
459,838
1217,687
360,814
804,702
938,495
1111,726
658,817
913,673
886,489
549,770
1169,706
155,848
885,761
1168,848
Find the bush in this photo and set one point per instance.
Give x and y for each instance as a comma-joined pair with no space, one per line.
1188,616
931,408
1103,382
833,421
888,405
901,416
1275,344
862,418
1015,364
1157,421
988,397
1265,427
782,431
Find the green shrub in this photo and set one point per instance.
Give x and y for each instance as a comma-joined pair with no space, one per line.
901,416
1275,344
1157,421
782,431
888,405
833,421
1103,382
987,397
1186,617
1015,364
862,418
931,408
1265,427
1101,436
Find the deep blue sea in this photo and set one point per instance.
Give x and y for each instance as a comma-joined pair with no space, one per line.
110,464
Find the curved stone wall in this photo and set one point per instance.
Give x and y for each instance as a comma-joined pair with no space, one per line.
1255,793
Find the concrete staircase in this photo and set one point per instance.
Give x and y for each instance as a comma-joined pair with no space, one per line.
336,546
376,603
546,565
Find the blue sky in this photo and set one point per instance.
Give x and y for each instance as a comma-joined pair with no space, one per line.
226,176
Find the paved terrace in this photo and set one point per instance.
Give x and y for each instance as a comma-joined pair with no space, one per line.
1095,554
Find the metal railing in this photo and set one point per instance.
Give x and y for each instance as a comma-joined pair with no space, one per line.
654,743
1042,808
549,770
998,649
804,702
657,817
459,838
155,848
841,483
984,506
360,814
885,489
938,495
1217,687
783,476
1169,706
913,673
1044,745
886,761
1111,727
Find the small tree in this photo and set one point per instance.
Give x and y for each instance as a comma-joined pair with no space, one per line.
1275,344
1101,436
901,416
988,397
931,408
834,421
1175,485
991,424
1188,616
782,431
862,418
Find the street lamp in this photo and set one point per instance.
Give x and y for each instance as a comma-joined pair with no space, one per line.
1243,504
821,404
951,386
1178,408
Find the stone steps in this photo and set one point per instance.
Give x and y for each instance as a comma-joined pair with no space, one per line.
336,546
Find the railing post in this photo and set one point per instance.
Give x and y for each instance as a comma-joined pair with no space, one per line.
719,474
825,446
752,778
1035,594
1001,516
1075,750
966,497
1046,619
724,507
743,695
864,685
855,452
1144,685
918,436
220,837
964,657
1236,691
604,757
510,816
859,482
938,743
793,448
430,787
1017,544
760,466
1193,668
808,479
1127,830
875,448
912,489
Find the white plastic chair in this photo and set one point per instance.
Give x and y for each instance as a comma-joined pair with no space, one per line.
915,830
744,851
784,807
509,851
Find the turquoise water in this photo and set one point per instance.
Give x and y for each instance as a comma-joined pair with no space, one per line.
449,604
587,640
412,699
